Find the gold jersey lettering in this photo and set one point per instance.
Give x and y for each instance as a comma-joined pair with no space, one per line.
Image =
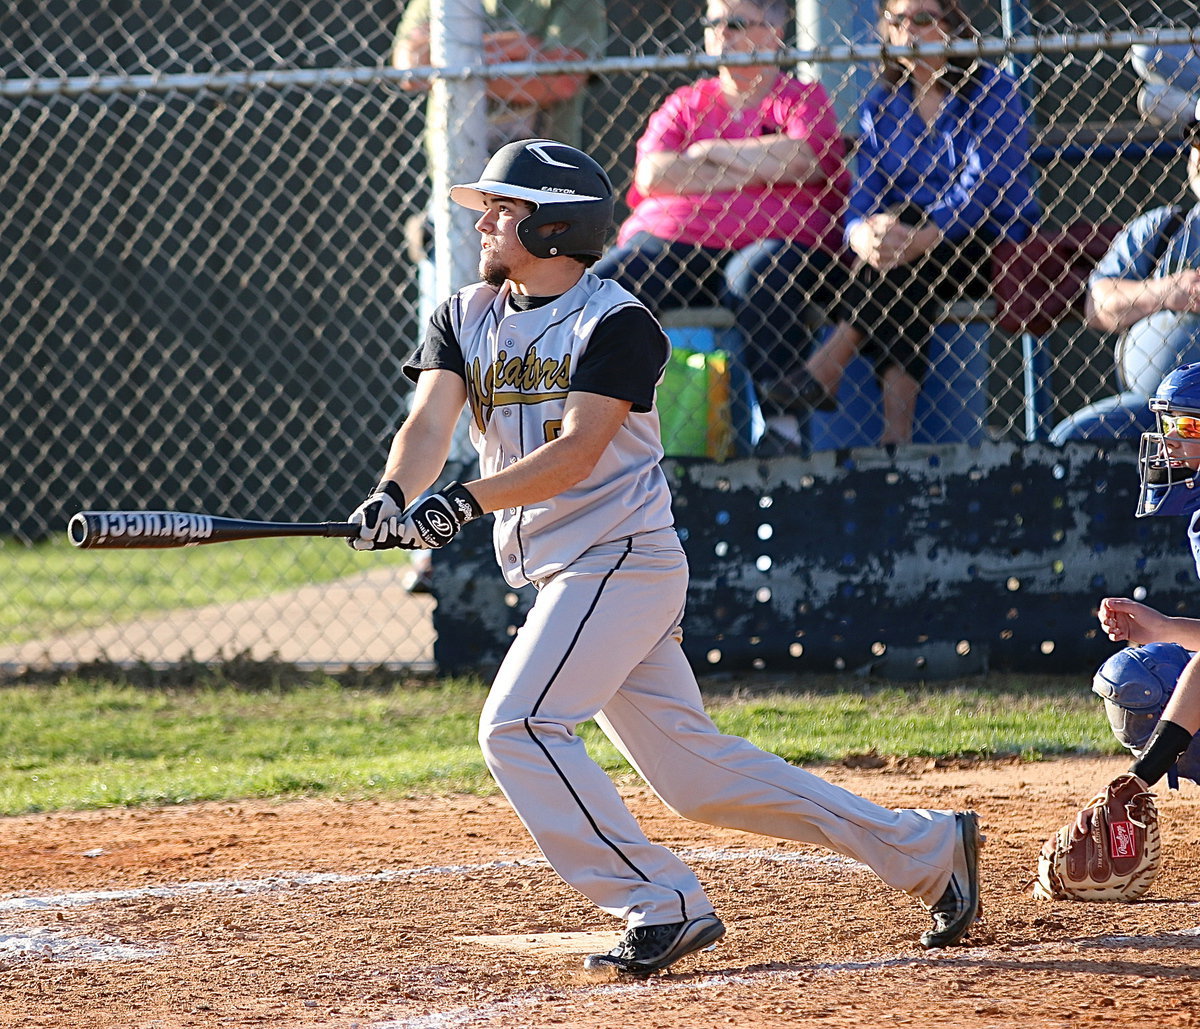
520,379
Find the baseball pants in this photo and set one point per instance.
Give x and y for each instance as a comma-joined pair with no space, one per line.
603,640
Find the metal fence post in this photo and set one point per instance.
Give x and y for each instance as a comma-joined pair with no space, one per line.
458,133
1035,362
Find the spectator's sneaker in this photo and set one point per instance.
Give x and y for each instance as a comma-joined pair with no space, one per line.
773,443
649,948
956,911
800,392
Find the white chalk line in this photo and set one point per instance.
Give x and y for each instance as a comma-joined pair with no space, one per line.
42,942
283,881
57,944
296,880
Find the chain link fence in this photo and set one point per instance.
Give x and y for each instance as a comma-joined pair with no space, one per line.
214,262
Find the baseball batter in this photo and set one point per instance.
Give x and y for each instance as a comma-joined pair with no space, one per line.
558,368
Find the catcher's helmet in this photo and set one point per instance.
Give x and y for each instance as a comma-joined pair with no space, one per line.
1170,484
563,184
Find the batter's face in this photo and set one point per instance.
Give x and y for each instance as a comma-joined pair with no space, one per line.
502,255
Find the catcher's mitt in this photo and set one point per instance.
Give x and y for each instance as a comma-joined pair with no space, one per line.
1111,851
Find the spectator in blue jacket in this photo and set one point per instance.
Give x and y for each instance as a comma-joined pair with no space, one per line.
1147,288
942,174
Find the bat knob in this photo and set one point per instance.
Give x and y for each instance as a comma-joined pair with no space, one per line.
77,530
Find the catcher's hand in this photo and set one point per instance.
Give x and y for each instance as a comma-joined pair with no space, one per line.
1111,851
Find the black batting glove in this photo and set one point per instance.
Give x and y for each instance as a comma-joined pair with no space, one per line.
430,523
384,503
437,519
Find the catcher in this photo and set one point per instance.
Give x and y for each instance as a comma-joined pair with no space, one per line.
1151,690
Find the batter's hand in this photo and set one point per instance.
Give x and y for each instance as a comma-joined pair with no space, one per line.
386,501
1124,619
428,525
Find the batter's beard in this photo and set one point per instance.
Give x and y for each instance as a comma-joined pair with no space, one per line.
493,273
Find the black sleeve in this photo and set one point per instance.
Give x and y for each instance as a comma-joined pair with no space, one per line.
624,358
440,349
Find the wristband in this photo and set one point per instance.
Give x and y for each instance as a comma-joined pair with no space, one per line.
389,487
466,507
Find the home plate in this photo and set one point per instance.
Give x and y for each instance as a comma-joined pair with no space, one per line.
549,943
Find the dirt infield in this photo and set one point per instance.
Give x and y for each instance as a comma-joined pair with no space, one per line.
439,913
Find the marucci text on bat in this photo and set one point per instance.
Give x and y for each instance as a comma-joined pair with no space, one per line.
168,524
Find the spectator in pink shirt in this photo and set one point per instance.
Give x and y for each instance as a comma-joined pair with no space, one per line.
737,197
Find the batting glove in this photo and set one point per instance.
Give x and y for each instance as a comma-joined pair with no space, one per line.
430,523
385,502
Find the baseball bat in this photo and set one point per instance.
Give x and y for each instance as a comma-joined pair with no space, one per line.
156,529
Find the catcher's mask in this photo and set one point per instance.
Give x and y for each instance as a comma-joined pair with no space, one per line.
563,184
1169,458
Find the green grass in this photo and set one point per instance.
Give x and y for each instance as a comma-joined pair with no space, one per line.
77,744
53,587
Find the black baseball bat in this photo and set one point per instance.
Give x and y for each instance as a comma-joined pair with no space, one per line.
156,529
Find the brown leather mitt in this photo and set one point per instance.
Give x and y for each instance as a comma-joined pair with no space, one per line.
1111,851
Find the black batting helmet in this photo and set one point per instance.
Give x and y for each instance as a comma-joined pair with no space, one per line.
563,185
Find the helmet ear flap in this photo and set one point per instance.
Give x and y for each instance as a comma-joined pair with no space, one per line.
555,237
583,230
531,239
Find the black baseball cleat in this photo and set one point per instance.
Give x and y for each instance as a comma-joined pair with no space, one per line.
959,906
651,948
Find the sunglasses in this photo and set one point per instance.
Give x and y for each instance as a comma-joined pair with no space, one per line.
1185,426
917,19
732,24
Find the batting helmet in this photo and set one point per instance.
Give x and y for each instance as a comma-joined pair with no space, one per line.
563,184
1169,470
1135,684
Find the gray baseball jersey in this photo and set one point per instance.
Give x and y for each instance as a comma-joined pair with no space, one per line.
519,367
603,638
